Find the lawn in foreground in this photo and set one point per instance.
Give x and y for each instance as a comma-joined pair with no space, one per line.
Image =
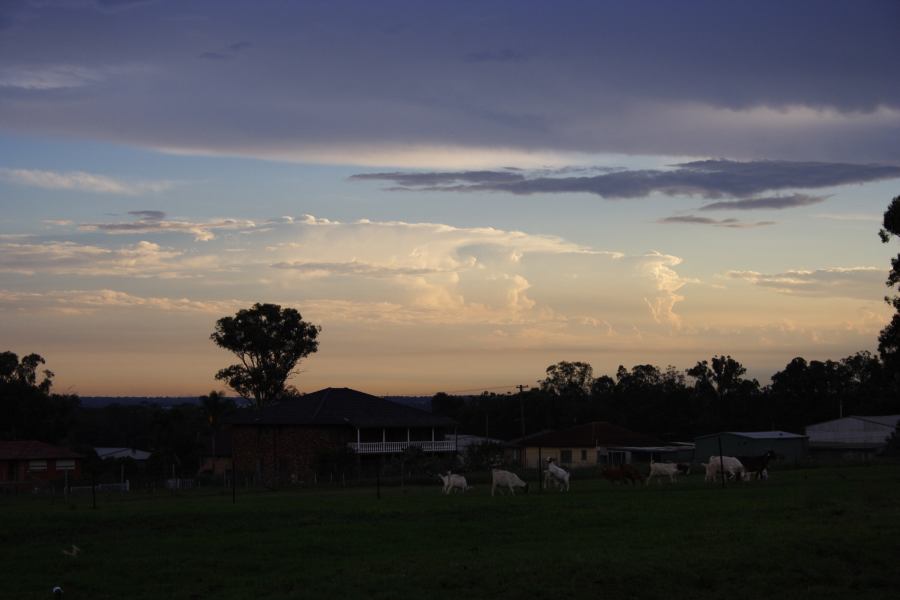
821,533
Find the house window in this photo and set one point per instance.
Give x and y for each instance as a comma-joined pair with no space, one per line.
65,465
565,457
583,455
37,465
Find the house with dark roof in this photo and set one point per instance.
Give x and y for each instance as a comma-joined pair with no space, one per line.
31,460
581,446
282,442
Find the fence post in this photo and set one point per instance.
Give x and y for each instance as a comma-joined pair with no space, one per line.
540,470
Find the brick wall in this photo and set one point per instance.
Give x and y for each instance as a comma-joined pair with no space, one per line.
283,453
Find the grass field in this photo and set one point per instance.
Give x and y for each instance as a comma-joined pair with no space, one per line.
819,533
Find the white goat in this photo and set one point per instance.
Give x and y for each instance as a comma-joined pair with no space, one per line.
506,479
557,474
669,470
733,468
454,482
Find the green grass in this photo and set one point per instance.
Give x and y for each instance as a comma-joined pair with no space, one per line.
819,533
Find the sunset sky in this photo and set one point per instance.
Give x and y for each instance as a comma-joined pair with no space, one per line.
459,193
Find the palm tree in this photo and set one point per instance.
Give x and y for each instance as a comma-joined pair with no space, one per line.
215,406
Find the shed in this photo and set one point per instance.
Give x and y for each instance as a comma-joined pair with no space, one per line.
851,438
789,446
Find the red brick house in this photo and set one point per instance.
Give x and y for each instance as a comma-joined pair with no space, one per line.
30,460
282,442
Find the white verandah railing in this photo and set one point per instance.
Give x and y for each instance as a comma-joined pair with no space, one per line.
394,447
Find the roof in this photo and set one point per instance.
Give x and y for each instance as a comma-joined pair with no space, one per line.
660,449
588,435
340,406
122,453
33,450
885,420
756,435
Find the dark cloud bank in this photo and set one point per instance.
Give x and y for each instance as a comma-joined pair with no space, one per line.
807,78
708,179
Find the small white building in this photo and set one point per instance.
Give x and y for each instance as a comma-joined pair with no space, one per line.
851,438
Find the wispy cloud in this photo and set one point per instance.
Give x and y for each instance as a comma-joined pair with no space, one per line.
148,215
153,221
143,259
229,52
354,268
81,181
851,282
91,301
850,217
49,77
707,179
505,55
694,220
770,203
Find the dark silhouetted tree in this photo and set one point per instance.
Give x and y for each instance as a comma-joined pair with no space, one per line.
889,339
567,386
27,408
269,341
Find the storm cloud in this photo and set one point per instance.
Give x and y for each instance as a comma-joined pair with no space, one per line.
393,86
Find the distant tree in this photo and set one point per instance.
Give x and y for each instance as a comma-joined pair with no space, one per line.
569,378
729,394
889,339
215,406
567,388
269,341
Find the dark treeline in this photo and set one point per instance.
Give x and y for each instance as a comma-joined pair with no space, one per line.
713,395
673,404
177,435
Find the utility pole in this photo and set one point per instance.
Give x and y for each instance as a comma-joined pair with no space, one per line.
521,389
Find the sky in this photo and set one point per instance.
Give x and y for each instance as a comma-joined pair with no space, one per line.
459,193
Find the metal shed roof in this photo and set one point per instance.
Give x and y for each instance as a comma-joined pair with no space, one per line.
756,435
